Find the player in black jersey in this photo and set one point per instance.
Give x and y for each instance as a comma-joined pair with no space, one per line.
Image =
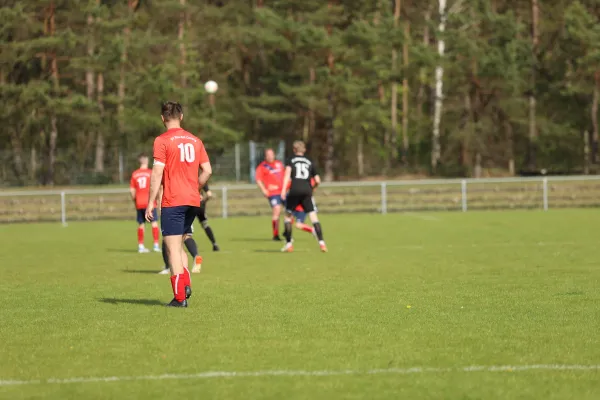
189,241
299,170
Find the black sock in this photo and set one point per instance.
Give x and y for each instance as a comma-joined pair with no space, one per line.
190,244
209,233
288,231
318,230
165,254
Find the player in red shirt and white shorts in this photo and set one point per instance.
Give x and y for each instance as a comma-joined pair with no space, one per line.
182,166
139,187
269,178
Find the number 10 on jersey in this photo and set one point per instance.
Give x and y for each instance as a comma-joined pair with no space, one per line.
187,153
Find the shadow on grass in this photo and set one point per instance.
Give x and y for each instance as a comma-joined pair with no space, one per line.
141,302
141,271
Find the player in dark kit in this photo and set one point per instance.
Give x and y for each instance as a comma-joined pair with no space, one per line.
299,170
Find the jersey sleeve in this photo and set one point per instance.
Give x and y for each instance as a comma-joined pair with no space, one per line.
288,162
132,182
313,170
258,175
202,155
160,152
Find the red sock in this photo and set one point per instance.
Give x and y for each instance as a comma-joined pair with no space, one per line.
307,228
178,285
141,235
155,235
275,227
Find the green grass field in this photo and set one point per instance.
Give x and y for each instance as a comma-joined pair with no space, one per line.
402,306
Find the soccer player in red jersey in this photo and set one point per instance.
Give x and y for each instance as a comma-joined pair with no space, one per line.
139,187
269,178
182,166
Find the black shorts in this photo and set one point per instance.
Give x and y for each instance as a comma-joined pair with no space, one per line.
305,200
177,220
201,213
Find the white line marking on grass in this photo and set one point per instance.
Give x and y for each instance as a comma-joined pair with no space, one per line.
293,373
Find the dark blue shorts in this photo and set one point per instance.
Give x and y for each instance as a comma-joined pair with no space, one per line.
141,215
275,200
300,216
177,220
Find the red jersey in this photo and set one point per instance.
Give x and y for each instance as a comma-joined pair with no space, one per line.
181,153
271,175
140,181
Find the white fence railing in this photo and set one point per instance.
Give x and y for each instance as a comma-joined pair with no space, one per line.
381,197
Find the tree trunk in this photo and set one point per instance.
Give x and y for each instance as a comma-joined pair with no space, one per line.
394,102
586,153
182,53
468,120
53,121
595,100
439,76
131,4
509,145
330,126
17,152
100,146
423,72
330,141
33,165
533,133
405,139
360,155
423,87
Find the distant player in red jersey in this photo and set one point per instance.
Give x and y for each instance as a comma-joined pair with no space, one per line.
182,166
269,178
139,187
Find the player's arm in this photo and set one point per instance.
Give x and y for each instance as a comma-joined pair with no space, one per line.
207,191
160,195
132,192
160,158
205,174
259,182
317,179
315,175
132,189
286,181
155,182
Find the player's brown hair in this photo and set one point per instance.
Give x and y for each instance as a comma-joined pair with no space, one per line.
142,155
171,110
299,146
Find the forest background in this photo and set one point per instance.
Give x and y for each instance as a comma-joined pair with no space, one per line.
375,87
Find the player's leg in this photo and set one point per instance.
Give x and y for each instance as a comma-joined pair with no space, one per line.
141,219
173,221
276,204
310,207
290,205
300,218
165,256
192,248
207,229
155,233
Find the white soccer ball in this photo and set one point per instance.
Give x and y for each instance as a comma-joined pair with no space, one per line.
211,87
